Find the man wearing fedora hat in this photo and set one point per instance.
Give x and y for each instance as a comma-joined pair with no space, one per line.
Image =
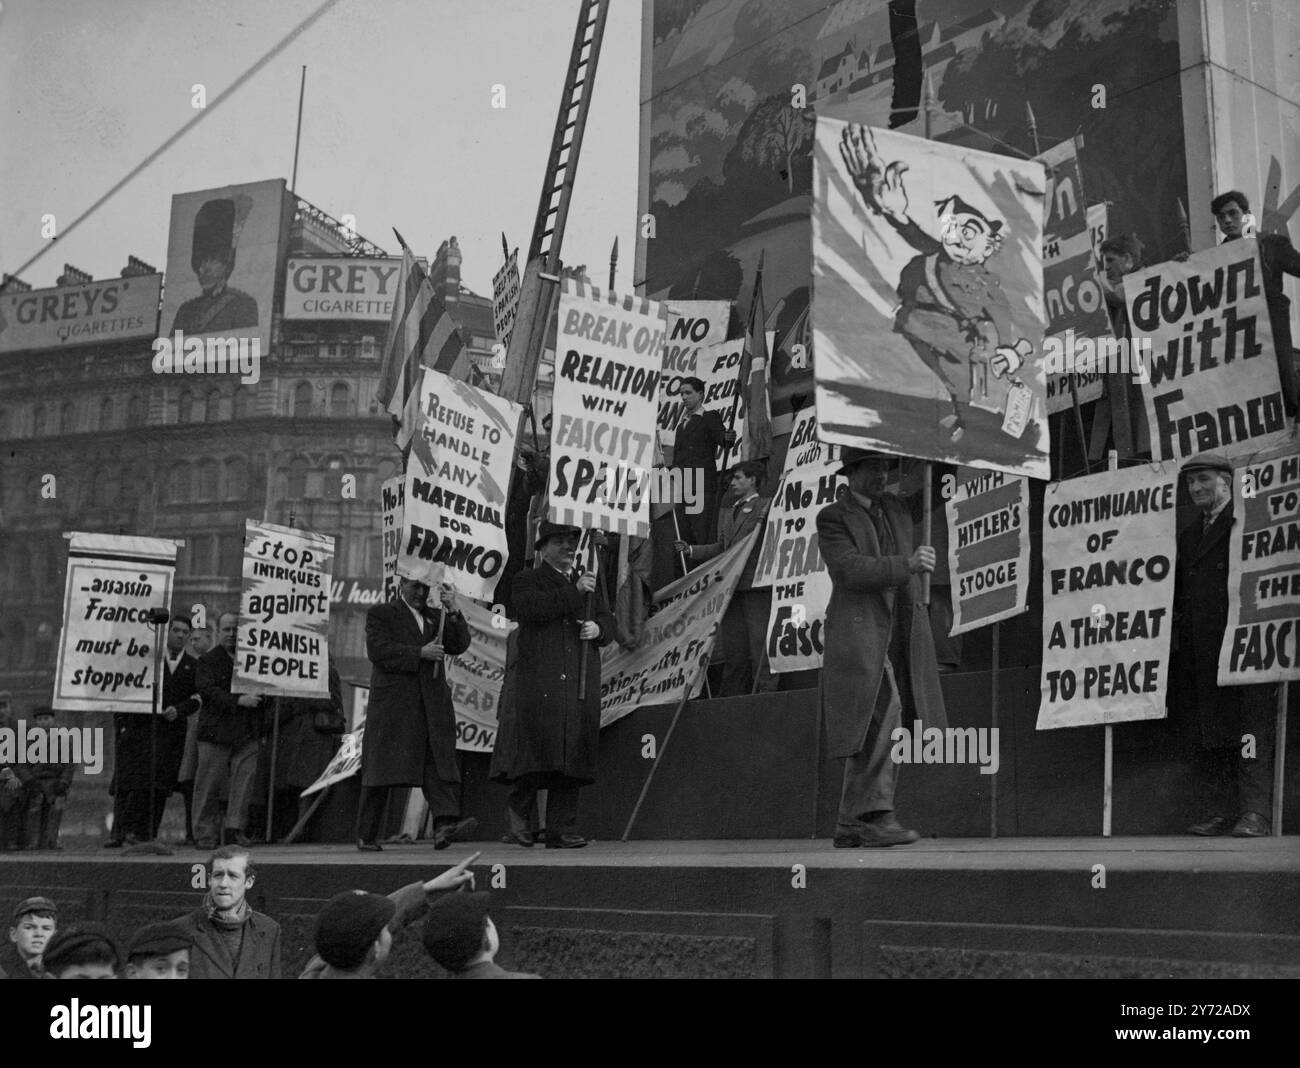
219,306
879,661
546,737
1235,790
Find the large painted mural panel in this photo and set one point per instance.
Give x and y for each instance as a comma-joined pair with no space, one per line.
730,160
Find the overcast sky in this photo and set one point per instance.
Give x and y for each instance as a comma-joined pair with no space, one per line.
398,127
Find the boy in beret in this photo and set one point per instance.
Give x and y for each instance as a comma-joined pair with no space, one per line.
461,936
83,951
159,951
355,930
34,923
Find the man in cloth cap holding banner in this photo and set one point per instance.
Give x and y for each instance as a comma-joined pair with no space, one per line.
879,656
547,737
1236,791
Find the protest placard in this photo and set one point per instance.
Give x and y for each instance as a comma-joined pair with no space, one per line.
988,549
790,560
677,638
345,763
1262,641
607,370
505,299
475,677
1213,376
284,612
1108,589
106,651
453,526
393,508
693,325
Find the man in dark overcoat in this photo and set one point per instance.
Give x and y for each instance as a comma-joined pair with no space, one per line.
131,780
547,739
879,660
410,722
699,435
1235,790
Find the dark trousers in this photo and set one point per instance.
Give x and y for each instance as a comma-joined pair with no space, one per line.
742,636
1232,785
442,797
44,813
186,790
133,810
561,808
870,774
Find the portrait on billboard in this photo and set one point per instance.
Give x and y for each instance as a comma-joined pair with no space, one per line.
223,254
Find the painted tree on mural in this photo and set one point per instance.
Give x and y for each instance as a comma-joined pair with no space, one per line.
777,134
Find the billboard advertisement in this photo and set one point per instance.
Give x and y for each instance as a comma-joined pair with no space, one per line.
113,310
340,288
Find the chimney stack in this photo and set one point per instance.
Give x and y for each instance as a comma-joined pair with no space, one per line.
135,266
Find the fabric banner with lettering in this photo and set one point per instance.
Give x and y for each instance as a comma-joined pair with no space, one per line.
927,301
345,763
719,367
790,560
677,638
608,363
1108,592
106,649
988,549
1262,641
693,325
1213,378
393,502
476,675
454,527
284,612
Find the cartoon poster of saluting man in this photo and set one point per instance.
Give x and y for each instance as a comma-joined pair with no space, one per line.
927,308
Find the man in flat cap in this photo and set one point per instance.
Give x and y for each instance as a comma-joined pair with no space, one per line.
1235,790
220,307
879,660
546,736
159,951
461,936
30,930
46,787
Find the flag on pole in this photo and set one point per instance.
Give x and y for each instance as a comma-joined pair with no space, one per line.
755,361
420,334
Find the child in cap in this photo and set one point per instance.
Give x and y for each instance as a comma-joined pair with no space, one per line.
82,951
33,925
159,951
461,936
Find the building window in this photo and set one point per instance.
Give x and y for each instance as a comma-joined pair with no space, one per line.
207,480
302,397
243,402
297,479
231,563
38,421
213,412
44,645
236,480
67,418
180,484
186,410
340,399
106,414
134,410
332,483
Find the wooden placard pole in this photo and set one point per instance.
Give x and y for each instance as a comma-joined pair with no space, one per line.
994,697
1108,767
1279,756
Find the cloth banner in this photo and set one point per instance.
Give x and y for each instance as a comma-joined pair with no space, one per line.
1108,592
607,368
988,549
693,325
454,526
1213,378
718,367
475,677
790,560
284,612
106,650
392,501
345,763
927,306
677,638
1262,642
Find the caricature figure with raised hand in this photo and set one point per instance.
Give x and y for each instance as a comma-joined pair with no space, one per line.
953,312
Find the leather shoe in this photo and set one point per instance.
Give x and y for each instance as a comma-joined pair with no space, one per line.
238,838
114,843
565,841
884,831
369,847
1210,828
205,845
523,838
460,831
1251,825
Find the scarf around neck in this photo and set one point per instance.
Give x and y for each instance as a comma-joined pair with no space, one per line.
227,921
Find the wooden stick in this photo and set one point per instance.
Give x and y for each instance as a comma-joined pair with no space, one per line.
1108,768
306,816
993,702
270,786
589,606
926,527
681,555
1279,757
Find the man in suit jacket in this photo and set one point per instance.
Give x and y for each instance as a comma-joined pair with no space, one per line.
744,626
132,779
699,435
1236,791
231,940
410,722
230,738
879,656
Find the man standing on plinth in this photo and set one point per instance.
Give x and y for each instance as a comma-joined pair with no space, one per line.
410,722
879,664
1235,791
547,738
